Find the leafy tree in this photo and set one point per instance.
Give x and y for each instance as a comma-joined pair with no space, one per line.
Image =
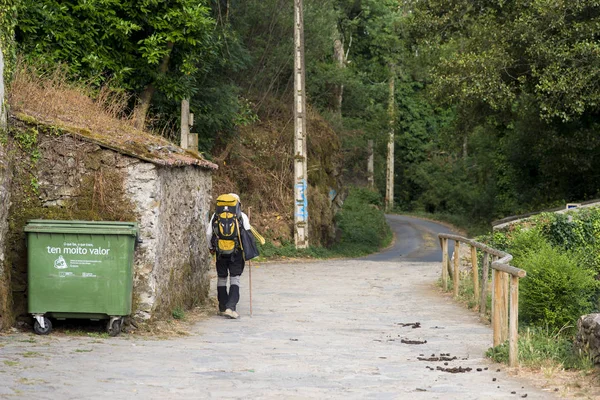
143,46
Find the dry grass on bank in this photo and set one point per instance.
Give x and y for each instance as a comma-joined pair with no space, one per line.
99,115
50,96
564,384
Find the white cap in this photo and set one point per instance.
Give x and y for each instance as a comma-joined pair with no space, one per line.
236,197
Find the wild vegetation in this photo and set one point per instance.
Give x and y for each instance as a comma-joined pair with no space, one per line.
560,254
496,109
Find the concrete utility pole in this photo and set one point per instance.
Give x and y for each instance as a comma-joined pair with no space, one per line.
389,190
300,164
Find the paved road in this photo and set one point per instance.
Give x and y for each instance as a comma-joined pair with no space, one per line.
330,329
415,240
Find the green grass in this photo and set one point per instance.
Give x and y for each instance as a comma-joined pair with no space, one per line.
11,363
31,354
540,346
178,313
288,250
83,350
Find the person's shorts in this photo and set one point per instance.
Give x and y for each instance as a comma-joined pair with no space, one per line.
232,266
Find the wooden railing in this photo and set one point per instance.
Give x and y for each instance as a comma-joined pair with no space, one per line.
505,321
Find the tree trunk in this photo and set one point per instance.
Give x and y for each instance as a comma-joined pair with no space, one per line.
141,110
371,166
389,193
338,55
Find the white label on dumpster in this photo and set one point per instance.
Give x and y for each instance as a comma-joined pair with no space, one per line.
60,263
75,248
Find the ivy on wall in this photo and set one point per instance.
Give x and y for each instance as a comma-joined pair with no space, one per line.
8,20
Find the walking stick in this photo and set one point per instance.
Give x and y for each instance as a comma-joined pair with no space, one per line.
250,278
250,275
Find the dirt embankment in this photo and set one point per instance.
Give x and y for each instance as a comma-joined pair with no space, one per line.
258,165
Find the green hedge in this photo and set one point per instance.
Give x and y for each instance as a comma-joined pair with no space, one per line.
361,223
561,255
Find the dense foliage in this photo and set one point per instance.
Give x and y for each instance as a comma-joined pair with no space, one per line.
495,111
560,254
520,79
8,13
361,222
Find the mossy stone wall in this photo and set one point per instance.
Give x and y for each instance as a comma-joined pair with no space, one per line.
5,168
57,175
173,261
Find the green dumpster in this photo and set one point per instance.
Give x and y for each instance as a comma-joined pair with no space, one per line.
80,269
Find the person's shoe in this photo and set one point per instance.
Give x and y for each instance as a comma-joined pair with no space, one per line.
231,314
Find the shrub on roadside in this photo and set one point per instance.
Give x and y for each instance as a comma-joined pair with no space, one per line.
557,290
361,223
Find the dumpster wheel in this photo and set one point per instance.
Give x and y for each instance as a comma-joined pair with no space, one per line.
37,327
114,326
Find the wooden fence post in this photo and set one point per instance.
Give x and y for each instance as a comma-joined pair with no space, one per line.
505,295
445,264
496,306
475,269
484,285
456,277
513,344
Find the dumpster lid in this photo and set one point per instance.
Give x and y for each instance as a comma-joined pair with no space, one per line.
83,227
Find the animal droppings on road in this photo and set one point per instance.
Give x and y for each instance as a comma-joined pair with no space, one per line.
437,358
455,370
406,341
414,325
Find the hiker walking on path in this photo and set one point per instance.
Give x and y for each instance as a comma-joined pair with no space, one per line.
224,237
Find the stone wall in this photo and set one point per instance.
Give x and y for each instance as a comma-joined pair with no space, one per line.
67,177
172,263
588,336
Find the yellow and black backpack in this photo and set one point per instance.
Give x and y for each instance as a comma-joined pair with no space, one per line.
226,225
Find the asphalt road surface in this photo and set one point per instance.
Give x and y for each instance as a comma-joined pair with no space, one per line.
415,240
370,328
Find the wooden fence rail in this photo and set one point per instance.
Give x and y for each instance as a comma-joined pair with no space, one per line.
505,287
